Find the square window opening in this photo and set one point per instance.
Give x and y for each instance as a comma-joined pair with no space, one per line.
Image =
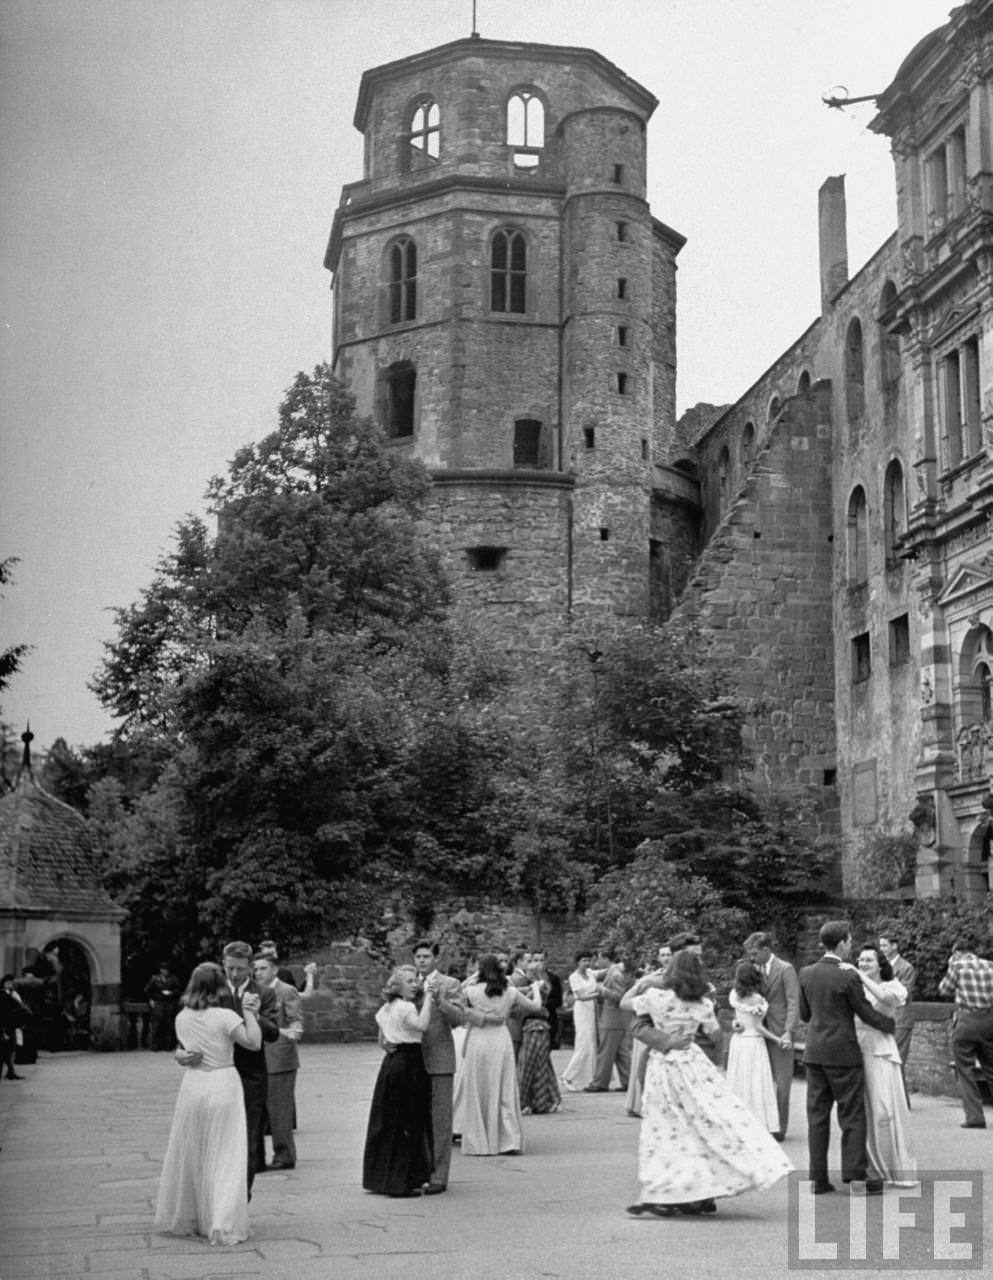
604,533
485,559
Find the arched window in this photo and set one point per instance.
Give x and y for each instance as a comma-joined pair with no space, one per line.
403,280
724,476
889,343
858,538
775,408
803,384
854,372
894,511
508,272
747,444
424,135
525,120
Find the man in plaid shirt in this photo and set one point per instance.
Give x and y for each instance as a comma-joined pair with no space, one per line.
970,980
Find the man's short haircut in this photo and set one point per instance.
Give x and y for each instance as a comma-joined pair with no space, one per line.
268,948
681,941
267,956
833,932
966,942
758,940
426,944
237,951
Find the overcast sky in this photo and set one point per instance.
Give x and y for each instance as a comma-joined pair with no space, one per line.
168,174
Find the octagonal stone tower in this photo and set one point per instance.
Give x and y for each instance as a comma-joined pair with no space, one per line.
504,304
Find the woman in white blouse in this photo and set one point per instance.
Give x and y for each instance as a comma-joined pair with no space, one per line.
398,1155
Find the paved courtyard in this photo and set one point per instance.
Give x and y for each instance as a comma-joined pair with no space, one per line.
83,1138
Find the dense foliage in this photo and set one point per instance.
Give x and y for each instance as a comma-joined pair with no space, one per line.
926,931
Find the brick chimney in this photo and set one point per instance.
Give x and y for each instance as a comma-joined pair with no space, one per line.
833,225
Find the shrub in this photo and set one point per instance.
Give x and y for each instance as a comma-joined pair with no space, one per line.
926,930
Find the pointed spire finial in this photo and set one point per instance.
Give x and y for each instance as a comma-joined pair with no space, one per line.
27,737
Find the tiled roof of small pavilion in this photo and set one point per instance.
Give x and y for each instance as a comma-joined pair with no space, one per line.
47,859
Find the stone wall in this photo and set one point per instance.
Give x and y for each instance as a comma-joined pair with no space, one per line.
761,592
350,975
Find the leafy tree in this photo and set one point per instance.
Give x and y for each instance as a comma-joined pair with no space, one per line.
636,908
260,665
11,657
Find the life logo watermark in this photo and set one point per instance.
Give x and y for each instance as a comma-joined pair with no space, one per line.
933,1224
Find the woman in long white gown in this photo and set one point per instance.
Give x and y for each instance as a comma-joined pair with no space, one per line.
203,1190
585,988
748,1071
887,1113
698,1141
487,1104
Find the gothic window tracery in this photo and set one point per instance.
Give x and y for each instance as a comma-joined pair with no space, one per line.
526,127
402,266
508,271
423,135
974,705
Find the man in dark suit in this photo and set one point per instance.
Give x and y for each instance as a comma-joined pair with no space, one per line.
831,994
781,990
250,1063
282,1061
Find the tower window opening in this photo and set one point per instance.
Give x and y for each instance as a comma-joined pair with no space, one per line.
485,559
400,387
604,533
622,335
644,449
622,232
622,287
622,384
526,128
618,177
589,437
403,281
527,442
424,135
508,272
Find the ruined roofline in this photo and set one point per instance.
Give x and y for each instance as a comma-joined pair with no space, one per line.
887,244
477,47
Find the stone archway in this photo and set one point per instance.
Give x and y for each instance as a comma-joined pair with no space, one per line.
68,1017
974,873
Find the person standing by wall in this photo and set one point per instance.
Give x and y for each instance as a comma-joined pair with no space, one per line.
162,993
282,1061
905,973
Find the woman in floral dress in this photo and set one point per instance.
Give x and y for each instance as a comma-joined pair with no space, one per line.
698,1141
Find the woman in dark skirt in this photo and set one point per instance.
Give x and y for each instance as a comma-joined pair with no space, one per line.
535,1073
398,1156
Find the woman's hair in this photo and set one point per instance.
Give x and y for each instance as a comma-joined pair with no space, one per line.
206,983
885,968
393,989
491,973
747,978
684,976
582,955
